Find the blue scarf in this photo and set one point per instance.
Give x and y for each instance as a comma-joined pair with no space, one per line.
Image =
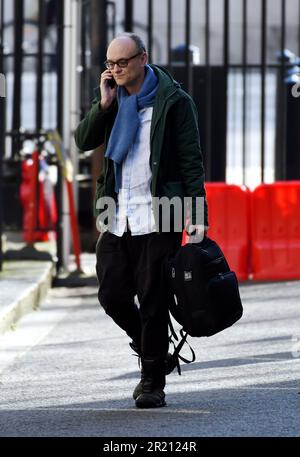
127,121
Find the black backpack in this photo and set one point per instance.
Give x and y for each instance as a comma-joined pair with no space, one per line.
204,293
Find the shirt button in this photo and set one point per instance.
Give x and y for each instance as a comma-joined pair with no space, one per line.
154,163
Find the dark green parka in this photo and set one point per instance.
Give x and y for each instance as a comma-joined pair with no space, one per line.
175,159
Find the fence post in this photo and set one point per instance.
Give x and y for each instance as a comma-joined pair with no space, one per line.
18,67
98,38
2,122
128,22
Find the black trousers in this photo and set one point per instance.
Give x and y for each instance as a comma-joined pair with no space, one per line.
129,266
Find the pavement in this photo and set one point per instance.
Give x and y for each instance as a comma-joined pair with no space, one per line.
24,284
28,272
245,381
67,371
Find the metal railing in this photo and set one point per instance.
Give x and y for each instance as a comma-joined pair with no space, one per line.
215,87
2,125
16,61
251,14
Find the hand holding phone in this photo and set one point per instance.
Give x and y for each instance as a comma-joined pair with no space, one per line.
107,88
111,82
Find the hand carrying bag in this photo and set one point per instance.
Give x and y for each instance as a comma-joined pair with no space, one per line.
205,290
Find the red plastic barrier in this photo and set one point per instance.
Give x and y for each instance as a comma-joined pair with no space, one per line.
229,219
275,227
38,201
47,217
28,192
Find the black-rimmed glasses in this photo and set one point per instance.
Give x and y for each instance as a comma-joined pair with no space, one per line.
122,63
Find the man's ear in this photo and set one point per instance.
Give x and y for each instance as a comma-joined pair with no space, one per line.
145,58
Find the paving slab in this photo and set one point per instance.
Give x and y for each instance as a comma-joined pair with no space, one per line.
23,286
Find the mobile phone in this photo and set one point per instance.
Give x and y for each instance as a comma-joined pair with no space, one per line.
111,82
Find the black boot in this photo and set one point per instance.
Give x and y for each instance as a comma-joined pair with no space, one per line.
169,367
170,364
153,383
139,387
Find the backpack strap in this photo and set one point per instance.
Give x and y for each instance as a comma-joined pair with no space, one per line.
176,356
178,348
173,333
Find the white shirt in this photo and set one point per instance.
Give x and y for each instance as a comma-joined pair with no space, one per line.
134,199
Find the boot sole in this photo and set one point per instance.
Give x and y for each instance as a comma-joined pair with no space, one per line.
147,403
135,396
137,391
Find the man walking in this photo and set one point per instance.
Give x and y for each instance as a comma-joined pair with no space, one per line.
152,150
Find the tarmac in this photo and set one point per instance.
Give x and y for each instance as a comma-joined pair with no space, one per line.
245,381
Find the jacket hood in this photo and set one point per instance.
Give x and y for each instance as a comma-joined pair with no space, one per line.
166,81
168,92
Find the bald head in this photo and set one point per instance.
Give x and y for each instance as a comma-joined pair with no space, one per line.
129,42
130,47
121,46
139,44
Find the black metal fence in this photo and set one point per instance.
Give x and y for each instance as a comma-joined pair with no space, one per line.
243,98
31,50
210,82
2,125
